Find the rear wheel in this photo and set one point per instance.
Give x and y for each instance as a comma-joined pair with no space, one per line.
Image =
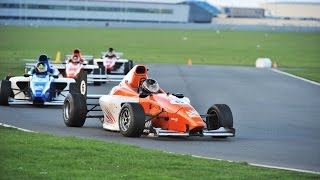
131,120
74,110
5,92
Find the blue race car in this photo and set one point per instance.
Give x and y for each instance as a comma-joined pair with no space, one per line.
41,86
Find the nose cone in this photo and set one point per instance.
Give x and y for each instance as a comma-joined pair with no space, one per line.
191,118
182,116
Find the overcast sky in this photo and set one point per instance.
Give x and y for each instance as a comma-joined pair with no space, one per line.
237,3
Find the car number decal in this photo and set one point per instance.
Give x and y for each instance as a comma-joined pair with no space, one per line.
83,87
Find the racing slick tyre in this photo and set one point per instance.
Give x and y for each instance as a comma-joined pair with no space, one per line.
220,116
131,120
74,110
5,92
8,77
128,66
117,66
81,84
97,72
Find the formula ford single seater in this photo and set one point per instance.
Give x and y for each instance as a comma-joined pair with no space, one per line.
111,67
113,63
40,87
139,106
72,67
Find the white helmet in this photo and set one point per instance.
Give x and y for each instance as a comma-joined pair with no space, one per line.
75,59
150,86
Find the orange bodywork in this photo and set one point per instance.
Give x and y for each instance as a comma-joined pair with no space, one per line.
165,110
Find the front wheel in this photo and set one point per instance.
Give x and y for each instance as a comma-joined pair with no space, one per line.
5,92
97,72
75,110
128,66
219,115
131,120
80,86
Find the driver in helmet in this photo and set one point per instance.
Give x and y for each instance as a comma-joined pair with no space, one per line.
77,53
150,86
75,59
111,54
40,68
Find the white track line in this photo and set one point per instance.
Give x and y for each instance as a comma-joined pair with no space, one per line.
21,129
297,77
259,165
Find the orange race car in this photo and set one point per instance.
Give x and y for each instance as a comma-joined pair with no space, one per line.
139,106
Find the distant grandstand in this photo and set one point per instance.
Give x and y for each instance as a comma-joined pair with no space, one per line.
233,12
201,11
105,11
184,14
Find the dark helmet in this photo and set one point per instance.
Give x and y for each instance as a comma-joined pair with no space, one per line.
43,58
76,52
41,67
110,49
150,86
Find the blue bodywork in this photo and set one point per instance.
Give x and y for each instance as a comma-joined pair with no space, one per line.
40,85
44,59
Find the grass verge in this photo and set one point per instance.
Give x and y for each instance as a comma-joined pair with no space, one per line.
288,49
27,155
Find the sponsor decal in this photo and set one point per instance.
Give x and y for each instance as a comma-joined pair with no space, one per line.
35,80
108,116
174,119
177,101
38,87
192,113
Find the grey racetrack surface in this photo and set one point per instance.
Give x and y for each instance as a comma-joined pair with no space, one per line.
277,117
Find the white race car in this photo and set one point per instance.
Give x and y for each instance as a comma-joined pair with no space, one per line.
71,70
39,89
114,64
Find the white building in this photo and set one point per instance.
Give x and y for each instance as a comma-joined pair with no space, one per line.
102,11
293,10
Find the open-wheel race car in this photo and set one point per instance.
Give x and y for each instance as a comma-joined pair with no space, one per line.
139,106
73,67
112,63
40,86
111,67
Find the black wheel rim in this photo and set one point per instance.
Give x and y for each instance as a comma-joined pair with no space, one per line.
213,120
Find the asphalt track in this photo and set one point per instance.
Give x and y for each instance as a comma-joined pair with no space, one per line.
277,117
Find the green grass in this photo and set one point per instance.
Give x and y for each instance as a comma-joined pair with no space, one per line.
288,49
312,74
40,156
